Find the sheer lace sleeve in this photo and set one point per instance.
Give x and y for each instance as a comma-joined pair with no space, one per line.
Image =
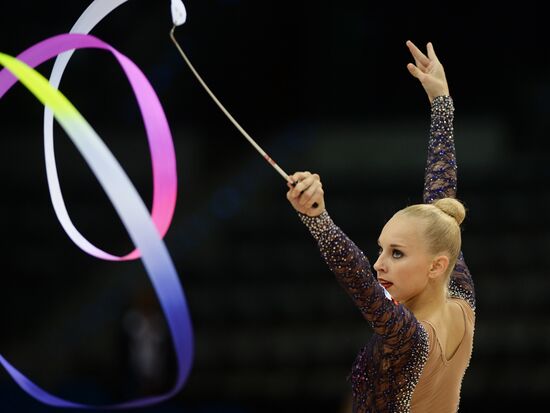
352,270
440,181
440,176
388,368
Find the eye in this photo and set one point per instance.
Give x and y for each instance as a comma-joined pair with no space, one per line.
397,254
380,251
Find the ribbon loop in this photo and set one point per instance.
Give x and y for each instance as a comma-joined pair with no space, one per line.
146,231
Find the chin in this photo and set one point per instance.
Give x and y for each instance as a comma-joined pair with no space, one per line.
399,296
396,297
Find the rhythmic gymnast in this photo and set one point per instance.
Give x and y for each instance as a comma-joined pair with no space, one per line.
422,337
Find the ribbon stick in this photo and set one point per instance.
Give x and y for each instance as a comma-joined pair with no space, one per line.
179,16
142,228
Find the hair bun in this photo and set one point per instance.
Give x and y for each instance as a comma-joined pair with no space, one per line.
452,207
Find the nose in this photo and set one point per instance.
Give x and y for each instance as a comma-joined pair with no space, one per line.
379,266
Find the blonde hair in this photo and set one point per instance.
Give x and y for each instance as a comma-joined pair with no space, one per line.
442,229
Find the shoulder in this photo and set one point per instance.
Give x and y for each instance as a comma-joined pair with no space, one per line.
431,334
448,332
465,308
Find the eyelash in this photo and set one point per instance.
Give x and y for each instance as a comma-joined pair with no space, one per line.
398,252
393,253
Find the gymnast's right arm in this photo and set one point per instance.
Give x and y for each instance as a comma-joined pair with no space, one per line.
348,263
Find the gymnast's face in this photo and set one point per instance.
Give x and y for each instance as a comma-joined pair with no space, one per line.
403,265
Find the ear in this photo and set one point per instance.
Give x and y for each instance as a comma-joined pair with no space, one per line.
439,266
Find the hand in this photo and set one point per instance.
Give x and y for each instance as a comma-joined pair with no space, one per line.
307,191
429,71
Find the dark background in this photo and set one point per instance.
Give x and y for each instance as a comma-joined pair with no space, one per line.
322,86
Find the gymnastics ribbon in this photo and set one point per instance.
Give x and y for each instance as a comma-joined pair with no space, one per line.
142,228
162,156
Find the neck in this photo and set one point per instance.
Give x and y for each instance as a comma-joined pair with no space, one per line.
430,301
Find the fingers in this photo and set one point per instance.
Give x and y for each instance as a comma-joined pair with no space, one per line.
416,72
306,186
309,202
305,193
289,195
431,52
420,57
307,197
305,180
299,176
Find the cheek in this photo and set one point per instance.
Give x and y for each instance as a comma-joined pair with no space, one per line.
411,275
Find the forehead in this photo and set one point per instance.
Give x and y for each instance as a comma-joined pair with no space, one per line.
401,230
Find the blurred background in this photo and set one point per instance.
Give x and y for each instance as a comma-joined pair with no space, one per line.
323,87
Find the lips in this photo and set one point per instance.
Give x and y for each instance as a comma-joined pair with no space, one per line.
384,283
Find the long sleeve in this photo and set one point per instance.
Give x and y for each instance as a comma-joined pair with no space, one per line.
440,181
387,370
353,271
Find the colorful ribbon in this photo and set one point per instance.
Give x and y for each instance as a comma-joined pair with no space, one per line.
162,155
145,231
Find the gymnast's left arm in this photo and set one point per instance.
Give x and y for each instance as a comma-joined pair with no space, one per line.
440,179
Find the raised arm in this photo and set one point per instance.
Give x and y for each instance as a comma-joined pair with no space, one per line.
350,266
440,179
441,168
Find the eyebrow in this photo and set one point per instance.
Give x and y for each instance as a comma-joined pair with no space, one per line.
392,245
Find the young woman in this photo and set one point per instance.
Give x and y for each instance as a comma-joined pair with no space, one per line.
421,302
